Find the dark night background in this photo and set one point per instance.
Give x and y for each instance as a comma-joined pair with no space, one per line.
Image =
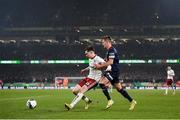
17,13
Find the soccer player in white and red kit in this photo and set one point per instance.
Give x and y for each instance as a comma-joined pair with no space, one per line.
90,81
170,79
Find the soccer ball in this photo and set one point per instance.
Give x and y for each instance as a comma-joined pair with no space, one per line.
31,103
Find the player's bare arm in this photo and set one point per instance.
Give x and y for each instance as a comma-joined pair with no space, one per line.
105,64
84,70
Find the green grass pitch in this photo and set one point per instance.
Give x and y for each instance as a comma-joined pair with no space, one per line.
152,104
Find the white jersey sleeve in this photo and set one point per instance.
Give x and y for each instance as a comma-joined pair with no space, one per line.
99,59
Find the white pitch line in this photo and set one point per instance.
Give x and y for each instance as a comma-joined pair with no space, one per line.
30,97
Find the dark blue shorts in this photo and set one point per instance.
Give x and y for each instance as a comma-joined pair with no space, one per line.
113,77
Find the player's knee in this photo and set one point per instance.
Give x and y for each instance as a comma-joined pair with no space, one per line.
102,86
118,86
119,89
75,91
81,91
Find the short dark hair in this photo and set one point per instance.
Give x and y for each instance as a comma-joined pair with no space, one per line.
89,48
106,38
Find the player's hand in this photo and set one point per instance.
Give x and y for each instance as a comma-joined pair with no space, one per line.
97,66
108,68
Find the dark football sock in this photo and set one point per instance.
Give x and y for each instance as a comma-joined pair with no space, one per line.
105,91
84,97
125,94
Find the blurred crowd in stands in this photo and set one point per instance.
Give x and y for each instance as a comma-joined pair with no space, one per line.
46,73
131,49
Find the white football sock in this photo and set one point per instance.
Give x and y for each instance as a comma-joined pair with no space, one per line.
166,91
76,99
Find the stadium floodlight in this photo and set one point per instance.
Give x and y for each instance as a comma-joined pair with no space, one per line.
162,39
12,41
175,38
2,41
124,40
25,41
37,40
101,30
149,39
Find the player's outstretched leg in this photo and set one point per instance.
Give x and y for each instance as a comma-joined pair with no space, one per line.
67,106
166,91
174,90
76,91
106,93
109,104
87,100
124,93
132,105
74,102
87,104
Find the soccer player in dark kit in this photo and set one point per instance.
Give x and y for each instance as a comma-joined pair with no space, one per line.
112,58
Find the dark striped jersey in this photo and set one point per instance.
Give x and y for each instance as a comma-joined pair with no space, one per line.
112,54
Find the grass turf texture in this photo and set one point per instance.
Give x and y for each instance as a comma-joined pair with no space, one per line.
152,104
